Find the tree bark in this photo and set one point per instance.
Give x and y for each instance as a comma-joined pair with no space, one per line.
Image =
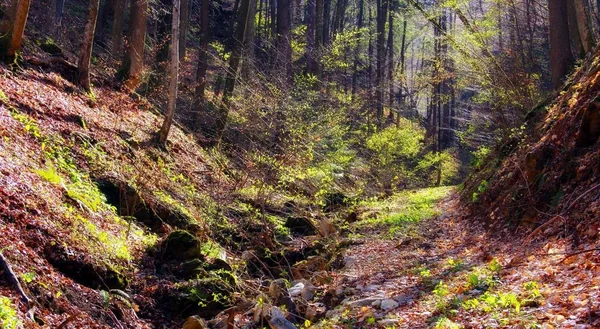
184,27
234,62
319,37
173,74
382,6
584,27
12,39
360,23
284,40
561,58
574,30
117,27
85,54
202,58
311,27
133,63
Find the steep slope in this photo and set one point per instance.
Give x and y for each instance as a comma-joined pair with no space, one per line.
545,175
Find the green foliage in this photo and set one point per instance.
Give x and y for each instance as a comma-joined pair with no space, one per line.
432,162
479,156
489,302
445,323
483,186
396,143
8,314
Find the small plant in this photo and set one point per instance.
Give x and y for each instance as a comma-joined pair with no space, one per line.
494,266
473,281
455,265
441,289
445,323
8,315
483,186
532,289
28,277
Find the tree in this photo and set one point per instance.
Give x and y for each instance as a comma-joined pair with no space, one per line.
185,25
133,63
202,57
117,26
14,29
234,62
561,58
583,25
283,60
382,7
85,54
173,74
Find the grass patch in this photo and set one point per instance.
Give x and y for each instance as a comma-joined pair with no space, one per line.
405,207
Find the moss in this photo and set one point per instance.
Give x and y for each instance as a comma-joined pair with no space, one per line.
182,245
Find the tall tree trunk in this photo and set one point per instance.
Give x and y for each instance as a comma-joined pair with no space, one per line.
117,27
249,43
402,97
382,6
574,30
133,63
326,22
184,27
319,37
11,41
311,27
234,62
284,38
85,54
583,24
390,63
202,58
360,23
173,74
561,58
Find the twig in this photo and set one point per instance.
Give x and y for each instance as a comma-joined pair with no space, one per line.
67,320
12,278
578,253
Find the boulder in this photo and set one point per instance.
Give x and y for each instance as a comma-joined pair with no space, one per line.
182,245
300,225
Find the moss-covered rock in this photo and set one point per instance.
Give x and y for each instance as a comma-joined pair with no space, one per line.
182,245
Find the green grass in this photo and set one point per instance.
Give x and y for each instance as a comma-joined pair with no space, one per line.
410,206
8,314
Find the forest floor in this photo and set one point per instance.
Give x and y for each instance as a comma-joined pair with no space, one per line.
404,271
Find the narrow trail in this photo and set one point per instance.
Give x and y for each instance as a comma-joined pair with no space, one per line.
446,272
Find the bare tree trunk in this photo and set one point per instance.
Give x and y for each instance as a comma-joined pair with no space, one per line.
249,45
85,54
561,58
583,24
283,60
202,57
133,63
390,63
117,27
311,22
10,43
185,25
173,74
382,6
360,23
574,30
319,37
234,62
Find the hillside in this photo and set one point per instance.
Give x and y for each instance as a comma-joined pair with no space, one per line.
299,164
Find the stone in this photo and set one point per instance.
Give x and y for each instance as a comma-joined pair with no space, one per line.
350,261
388,304
182,245
296,290
194,322
300,225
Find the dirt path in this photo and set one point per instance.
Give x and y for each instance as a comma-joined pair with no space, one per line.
447,272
